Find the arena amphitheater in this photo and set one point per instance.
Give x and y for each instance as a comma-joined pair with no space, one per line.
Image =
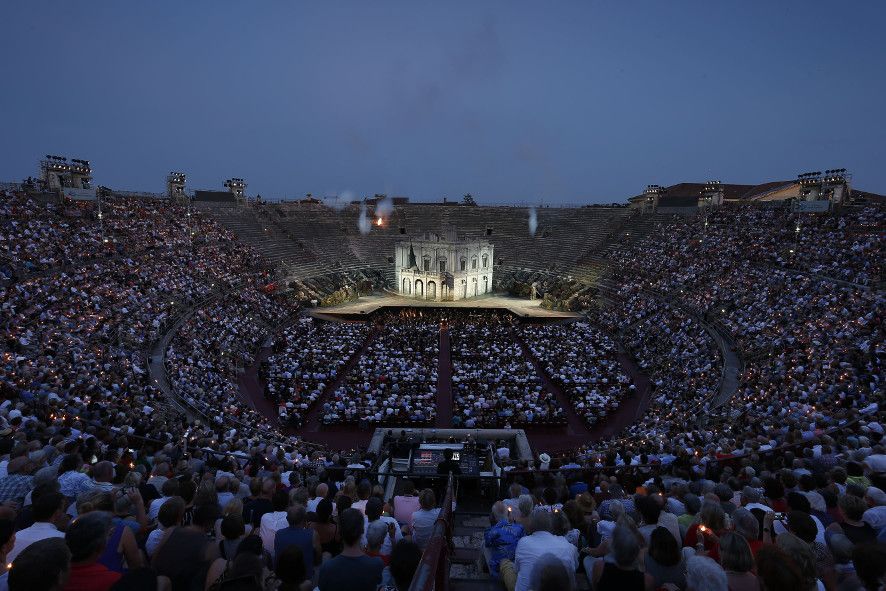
631,367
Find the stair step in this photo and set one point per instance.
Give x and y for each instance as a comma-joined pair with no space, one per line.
467,531
475,585
465,555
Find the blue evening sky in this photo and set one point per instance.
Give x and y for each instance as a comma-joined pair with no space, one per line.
513,101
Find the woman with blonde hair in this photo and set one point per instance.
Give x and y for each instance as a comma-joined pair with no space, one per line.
234,507
737,560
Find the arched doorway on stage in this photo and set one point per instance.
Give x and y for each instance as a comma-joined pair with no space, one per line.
407,286
419,289
464,288
432,290
485,284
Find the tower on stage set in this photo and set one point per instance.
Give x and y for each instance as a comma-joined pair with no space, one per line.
443,267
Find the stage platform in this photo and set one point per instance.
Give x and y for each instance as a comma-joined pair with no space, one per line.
366,305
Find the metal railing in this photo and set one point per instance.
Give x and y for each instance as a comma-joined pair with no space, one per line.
433,570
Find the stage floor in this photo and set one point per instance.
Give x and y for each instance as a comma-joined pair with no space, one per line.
369,304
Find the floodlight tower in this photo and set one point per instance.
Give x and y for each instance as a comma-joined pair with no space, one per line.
80,173
237,187
810,186
53,170
835,186
175,187
652,193
711,195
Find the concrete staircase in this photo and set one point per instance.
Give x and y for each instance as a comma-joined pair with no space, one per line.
468,569
465,573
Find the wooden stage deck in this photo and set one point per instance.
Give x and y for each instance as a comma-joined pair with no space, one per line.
366,305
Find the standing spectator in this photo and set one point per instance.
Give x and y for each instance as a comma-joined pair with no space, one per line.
327,529
290,571
374,509
852,509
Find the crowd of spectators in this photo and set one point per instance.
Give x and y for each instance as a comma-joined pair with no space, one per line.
812,347
308,356
92,452
494,384
395,380
583,361
209,348
816,519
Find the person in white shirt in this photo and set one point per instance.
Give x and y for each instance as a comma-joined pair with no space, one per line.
274,521
322,491
103,475
532,547
48,508
170,515
423,520
170,488
222,487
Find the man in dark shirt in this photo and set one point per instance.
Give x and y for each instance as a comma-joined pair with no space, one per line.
448,464
352,569
260,504
444,468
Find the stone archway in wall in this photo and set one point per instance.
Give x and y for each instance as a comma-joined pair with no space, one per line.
406,286
464,289
432,290
474,282
419,288
485,284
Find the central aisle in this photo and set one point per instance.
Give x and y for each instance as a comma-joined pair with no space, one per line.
444,382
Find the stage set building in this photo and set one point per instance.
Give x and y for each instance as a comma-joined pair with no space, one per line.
442,267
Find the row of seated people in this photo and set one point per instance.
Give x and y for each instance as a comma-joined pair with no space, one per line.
308,357
395,380
493,382
583,361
